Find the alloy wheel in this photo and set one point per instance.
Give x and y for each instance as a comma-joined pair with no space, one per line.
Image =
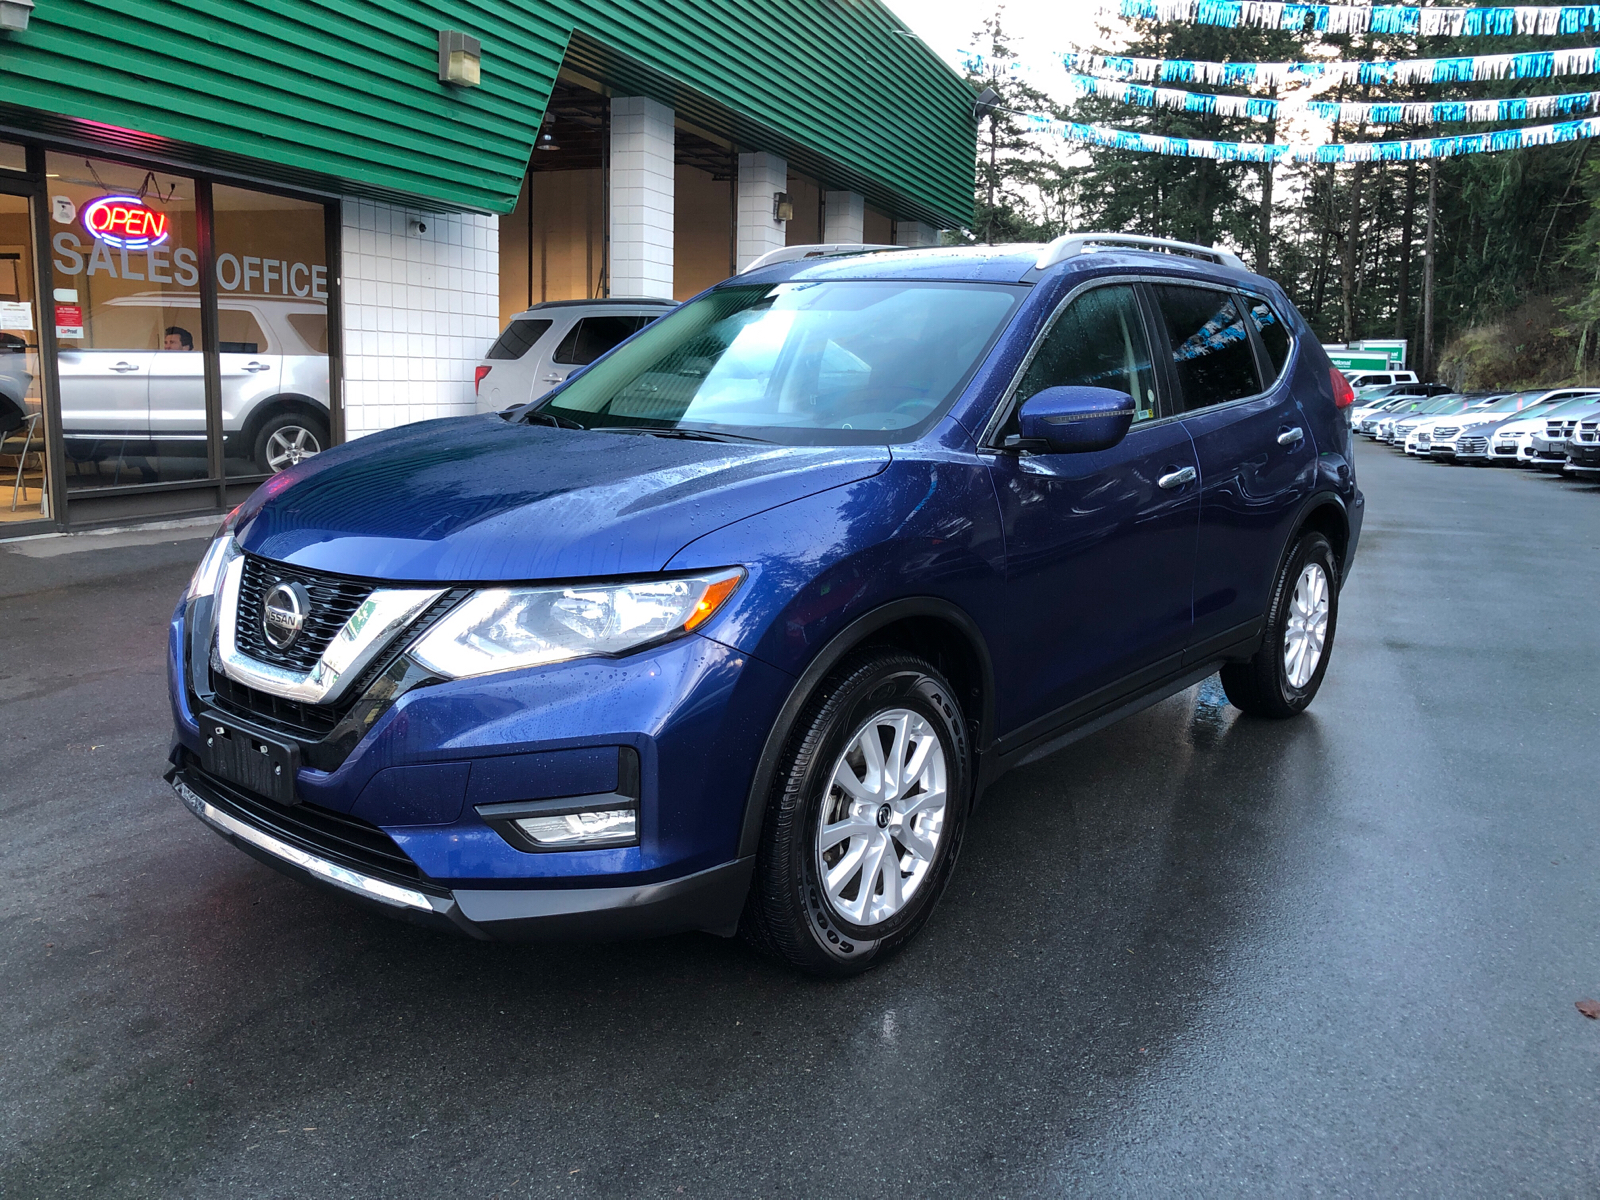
882,817
289,445
1307,628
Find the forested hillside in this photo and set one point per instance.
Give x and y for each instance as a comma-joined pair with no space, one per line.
1517,264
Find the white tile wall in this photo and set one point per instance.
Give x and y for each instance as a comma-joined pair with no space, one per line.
760,175
642,197
844,216
420,309
915,233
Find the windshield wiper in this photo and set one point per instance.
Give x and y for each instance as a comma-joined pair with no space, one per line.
543,417
687,434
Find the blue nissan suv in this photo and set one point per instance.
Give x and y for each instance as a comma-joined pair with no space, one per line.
731,631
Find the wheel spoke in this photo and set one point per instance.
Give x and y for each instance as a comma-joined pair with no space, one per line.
851,827
889,872
929,801
919,761
920,847
872,752
894,777
871,868
845,777
842,870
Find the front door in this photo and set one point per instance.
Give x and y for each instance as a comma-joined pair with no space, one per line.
1258,460
1099,546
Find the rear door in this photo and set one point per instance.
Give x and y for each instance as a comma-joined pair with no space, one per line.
1254,445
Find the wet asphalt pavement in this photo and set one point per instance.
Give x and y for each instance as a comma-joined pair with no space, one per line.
1193,953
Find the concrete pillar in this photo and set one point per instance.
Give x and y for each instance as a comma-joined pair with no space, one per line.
915,233
844,216
760,175
641,197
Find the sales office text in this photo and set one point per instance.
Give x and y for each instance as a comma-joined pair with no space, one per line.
251,275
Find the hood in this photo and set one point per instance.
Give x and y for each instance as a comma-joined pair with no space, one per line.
477,499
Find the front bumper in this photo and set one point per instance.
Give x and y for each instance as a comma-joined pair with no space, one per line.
1583,457
708,900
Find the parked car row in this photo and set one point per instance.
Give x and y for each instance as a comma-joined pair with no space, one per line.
1548,429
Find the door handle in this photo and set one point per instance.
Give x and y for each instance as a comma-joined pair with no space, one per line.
255,366
554,378
122,368
1290,436
1177,478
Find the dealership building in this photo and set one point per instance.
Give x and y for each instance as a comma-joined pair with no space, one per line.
231,233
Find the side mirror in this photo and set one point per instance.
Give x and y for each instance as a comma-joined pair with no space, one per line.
1069,420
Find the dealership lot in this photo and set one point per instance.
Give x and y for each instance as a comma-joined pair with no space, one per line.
1193,952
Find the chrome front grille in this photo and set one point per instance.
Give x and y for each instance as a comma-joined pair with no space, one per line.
1589,431
332,601
1472,445
1443,433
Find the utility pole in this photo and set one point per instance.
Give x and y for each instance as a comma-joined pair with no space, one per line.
1427,272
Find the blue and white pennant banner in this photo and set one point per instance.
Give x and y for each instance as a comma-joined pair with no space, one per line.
1536,64
1428,21
1438,112
1330,152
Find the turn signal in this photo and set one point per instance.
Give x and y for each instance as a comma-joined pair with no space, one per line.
1343,394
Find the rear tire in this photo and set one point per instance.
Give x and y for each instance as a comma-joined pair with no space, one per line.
848,872
287,439
1286,672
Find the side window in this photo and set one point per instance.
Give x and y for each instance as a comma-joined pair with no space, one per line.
1098,342
518,338
238,332
593,336
1273,332
1210,348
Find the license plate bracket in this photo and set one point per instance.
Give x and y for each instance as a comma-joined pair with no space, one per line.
264,765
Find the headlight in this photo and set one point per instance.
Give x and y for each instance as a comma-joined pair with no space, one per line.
218,555
502,629
208,574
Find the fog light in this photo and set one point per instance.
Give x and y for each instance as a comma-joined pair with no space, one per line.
602,827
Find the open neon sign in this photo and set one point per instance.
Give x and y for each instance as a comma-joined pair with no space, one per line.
125,222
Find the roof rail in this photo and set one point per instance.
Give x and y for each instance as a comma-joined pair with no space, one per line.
785,254
1073,244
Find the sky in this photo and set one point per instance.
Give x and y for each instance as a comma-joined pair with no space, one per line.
1037,26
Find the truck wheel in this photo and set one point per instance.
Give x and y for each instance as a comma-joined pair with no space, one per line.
1283,677
286,439
865,818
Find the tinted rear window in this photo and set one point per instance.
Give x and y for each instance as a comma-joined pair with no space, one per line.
518,338
1274,334
593,336
1210,347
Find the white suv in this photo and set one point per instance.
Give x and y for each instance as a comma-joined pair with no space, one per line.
544,345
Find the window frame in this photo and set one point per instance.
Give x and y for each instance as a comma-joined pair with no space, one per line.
989,439
225,490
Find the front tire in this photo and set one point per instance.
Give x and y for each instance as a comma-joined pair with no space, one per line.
1286,672
865,819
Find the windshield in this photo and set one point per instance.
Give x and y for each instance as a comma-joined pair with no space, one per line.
1567,407
824,363
1509,404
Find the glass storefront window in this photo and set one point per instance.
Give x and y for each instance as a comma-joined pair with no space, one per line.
23,458
12,157
125,267
272,329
